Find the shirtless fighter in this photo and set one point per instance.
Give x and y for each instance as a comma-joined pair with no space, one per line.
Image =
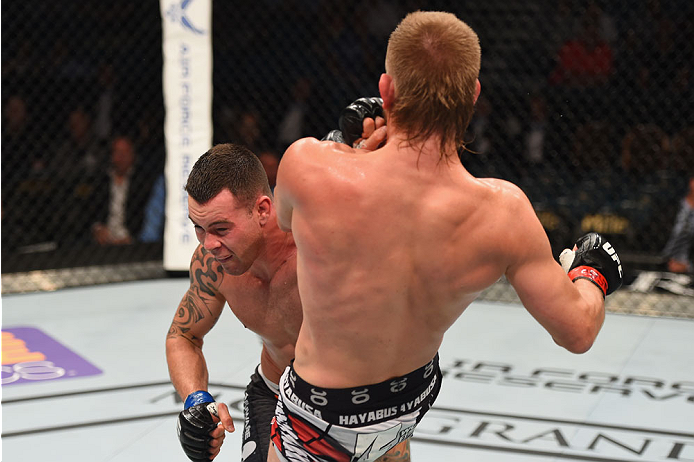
244,260
393,245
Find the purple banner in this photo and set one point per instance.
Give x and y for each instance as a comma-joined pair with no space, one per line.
29,355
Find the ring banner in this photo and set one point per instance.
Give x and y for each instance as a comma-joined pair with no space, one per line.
187,82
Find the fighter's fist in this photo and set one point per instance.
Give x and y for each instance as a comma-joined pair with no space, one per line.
596,260
195,423
351,120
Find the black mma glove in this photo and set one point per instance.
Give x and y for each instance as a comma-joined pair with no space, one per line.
594,259
195,424
351,120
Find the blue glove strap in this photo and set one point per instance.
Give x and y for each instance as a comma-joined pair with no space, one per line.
198,397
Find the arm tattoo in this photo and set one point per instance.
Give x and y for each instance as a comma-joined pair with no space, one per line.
205,278
207,273
400,453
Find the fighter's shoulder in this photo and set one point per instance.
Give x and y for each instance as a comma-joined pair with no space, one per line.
307,150
515,213
505,192
305,164
206,271
302,144
300,149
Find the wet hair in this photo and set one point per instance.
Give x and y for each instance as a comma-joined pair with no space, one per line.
228,166
434,60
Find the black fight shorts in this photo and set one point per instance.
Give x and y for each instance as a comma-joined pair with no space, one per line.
259,403
314,424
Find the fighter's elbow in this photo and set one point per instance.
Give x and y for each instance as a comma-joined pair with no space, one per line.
580,345
177,341
581,338
589,316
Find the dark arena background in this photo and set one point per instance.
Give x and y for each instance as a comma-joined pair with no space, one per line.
586,105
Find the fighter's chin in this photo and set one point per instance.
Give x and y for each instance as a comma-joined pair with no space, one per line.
231,267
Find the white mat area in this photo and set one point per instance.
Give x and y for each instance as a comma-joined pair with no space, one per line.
510,394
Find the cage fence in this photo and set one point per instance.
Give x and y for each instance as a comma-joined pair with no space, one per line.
586,105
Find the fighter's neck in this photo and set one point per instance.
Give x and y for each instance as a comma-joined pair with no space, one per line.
427,150
278,248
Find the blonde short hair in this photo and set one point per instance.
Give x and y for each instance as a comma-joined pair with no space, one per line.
434,60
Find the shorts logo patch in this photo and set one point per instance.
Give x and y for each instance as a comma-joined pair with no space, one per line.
360,396
247,450
398,385
319,397
30,355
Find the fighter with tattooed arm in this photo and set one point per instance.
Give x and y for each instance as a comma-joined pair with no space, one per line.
245,260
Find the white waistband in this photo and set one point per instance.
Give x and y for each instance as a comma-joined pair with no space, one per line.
274,387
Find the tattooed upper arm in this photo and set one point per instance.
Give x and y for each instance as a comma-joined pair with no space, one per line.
203,303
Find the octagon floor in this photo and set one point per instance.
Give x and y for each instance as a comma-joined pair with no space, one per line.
102,392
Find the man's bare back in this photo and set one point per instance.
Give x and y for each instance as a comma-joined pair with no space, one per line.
393,245
389,223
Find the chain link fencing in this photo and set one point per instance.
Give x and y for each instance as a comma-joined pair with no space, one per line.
586,105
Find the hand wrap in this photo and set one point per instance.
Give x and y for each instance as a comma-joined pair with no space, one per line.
336,136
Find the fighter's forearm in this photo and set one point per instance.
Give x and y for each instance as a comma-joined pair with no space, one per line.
187,366
583,332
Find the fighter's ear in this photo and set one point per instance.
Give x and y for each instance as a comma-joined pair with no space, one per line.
263,205
386,87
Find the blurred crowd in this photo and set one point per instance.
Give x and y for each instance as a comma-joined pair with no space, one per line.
585,104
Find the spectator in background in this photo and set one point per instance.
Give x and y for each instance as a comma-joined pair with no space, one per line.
606,26
679,99
18,158
27,185
376,19
105,101
648,62
480,127
150,144
80,154
240,127
535,138
679,245
155,213
645,149
662,47
683,150
293,123
339,48
123,192
585,60
17,63
24,178
249,131
380,18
